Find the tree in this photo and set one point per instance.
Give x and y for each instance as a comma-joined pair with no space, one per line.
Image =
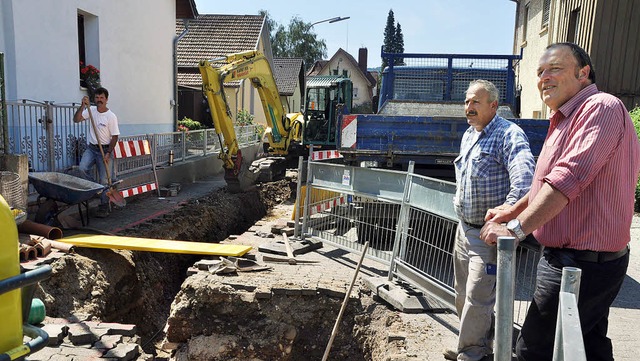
393,40
389,36
398,44
296,41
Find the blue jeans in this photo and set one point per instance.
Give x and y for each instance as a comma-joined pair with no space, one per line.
91,157
599,286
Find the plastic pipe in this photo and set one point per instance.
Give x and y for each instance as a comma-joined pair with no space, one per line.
39,229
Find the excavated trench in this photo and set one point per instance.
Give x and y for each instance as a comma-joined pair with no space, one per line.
215,323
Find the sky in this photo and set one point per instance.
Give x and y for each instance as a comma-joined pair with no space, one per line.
428,26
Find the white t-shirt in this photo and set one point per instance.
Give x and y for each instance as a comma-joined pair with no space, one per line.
106,124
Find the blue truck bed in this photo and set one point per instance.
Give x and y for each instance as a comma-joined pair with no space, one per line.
392,141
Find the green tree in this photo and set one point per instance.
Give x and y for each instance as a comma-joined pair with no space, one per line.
297,40
389,36
398,44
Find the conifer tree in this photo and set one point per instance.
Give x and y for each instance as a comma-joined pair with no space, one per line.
389,36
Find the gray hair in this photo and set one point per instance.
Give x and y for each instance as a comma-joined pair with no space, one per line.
494,94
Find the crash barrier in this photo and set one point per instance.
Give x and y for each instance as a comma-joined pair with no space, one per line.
137,148
47,134
410,223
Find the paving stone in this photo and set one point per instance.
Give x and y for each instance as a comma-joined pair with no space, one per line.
124,352
45,354
56,332
80,352
108,342
120,329
80,334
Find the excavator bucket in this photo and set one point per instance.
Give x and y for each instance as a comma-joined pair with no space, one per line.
241,181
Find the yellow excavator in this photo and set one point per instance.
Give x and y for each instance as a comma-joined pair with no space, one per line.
284,131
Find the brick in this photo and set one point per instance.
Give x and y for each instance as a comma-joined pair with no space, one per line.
120,329
80,352
124,352
108,342
56,332
80,334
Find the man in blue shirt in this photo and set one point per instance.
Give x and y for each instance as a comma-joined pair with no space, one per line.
495,168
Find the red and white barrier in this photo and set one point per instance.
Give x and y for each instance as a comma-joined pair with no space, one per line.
131,148
135,148
325,154
348,130
328,204
138,190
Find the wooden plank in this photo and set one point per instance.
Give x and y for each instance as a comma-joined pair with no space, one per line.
155,245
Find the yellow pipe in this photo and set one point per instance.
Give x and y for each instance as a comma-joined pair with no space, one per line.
10,302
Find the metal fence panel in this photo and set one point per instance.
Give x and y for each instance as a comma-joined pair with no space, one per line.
409,222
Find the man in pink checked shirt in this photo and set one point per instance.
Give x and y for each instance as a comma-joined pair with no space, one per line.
580,205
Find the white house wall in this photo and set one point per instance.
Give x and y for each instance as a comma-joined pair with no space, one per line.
134,54
537,39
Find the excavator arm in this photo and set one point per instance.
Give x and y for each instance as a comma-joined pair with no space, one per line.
282,128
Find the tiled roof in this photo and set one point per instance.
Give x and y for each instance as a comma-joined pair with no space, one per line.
287,74
213,36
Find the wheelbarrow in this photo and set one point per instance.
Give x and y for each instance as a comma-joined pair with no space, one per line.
63,188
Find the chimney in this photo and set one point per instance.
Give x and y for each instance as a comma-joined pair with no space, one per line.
362,59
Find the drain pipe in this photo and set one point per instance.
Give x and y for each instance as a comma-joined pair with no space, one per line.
175,72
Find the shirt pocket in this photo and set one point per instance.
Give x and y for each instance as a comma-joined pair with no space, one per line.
484,165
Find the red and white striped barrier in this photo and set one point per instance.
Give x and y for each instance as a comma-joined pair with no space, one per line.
138,190
131,148
328,204
135,148
325,154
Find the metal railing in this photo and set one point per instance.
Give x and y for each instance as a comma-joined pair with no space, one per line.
46,133
409,222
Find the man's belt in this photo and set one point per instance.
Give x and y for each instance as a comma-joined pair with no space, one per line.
585,255
599,257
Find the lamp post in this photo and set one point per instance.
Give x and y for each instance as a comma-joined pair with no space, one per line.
331,20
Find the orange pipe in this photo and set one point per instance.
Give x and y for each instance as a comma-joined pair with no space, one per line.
39,229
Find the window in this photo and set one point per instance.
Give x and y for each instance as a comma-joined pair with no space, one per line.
546,7
344,73
525,22
355,93
572,27
88,41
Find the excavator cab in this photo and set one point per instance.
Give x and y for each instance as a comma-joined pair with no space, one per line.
327,97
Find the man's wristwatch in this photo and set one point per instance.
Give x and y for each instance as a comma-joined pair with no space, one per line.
515,227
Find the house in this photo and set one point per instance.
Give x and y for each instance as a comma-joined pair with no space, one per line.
212,36
289,76
601,27
342,63
130,42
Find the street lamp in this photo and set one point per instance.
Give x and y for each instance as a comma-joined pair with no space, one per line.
331,20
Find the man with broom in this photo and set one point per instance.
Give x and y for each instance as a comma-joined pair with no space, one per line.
105,124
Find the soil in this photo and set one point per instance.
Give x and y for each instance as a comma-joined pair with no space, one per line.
209,317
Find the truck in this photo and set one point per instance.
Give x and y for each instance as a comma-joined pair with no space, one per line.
421,118
287,134
421,112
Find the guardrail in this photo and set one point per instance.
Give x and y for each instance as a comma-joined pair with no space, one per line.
46,133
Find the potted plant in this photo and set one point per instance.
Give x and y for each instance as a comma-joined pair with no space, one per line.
89,78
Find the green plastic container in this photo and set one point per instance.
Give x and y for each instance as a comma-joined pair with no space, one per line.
37,312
